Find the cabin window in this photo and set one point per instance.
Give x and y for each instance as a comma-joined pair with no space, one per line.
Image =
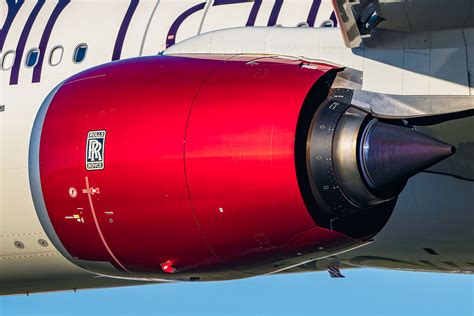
8,60
303,24
80,53
327,23
56,55
32,57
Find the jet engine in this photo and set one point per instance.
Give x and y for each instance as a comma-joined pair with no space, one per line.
205,168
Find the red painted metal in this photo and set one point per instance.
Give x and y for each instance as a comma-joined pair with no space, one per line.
168,267
240,159
198,170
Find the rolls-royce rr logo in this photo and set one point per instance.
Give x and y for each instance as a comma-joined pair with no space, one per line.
95,150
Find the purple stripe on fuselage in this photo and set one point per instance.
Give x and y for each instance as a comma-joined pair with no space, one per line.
253,14
45,38
224,2
333,18
123,29
20,48
171,38
272,21
13,8
313,13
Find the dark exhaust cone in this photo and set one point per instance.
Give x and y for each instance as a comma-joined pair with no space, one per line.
391,154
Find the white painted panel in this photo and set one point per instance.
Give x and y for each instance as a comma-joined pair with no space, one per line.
79,23
3,12
15,191
331,37
237,41
448,71
416,72
342,56
14,34
439,14
26,74
17,26
166,13
418,40
294,12
20,112
225,16
264,13
448,63
136,29
395,15
284,41
302,42
19,222
10,45
383,71
447,39
324,13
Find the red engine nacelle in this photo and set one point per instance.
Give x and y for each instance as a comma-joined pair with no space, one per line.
178,168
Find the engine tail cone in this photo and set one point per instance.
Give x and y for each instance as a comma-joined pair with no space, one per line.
391,154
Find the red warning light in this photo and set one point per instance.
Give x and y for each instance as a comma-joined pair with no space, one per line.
168,267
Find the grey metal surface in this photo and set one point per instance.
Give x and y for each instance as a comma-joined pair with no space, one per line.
428,199
390,154
348,23
442,194
410,106
345,159
460,133
410,15
403,15
392,106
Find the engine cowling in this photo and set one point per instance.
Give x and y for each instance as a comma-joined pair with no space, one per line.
196,168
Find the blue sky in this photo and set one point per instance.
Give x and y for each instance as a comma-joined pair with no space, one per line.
363,292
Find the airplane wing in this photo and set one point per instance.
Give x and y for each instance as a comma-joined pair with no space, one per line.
360,19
